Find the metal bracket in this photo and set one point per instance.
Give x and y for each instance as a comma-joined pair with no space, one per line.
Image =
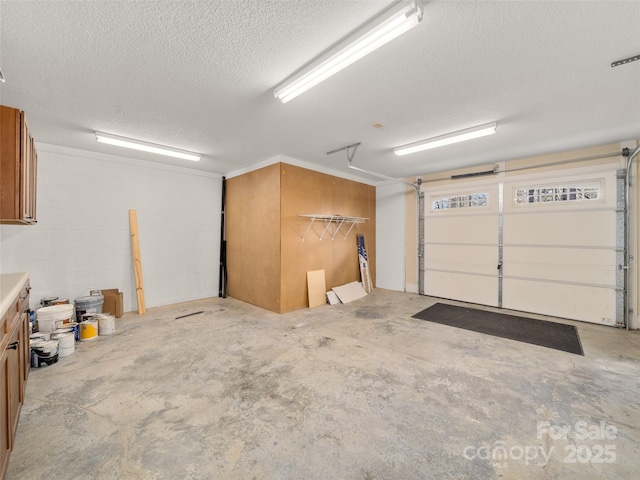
350,153
625,60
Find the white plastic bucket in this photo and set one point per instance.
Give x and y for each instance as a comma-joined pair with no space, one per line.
66,342
106,324
50,318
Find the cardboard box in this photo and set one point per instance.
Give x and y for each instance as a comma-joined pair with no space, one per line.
112,302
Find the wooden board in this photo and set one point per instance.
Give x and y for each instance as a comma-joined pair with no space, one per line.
317,288
137,264
332,298
350,292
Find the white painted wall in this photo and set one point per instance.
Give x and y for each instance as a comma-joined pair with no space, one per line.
82,240
390,235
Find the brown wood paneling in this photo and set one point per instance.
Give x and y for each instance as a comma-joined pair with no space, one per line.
356,199
252,216
305,192
267,260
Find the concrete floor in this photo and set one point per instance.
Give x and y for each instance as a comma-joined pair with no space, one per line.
355,391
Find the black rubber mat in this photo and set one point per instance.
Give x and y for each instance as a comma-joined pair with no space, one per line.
528,330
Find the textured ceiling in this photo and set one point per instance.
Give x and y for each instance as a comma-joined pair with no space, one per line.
199,75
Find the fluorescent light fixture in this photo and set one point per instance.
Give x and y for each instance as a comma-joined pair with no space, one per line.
146,147
391,23
448,139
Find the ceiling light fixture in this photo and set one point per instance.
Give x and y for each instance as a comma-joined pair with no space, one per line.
388,25
449,138
146,146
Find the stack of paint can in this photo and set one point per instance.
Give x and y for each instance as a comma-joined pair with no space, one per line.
66,339
43,350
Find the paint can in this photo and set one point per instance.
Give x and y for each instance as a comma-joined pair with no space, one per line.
88,330
39,336
60,301
106,324
89,304
44,353
72,328
50,318
66,342
47,301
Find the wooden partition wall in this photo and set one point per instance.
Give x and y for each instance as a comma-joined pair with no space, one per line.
267,259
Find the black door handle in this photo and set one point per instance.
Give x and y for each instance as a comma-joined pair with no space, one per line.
14,345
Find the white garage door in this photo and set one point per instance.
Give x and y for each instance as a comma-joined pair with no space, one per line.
544,243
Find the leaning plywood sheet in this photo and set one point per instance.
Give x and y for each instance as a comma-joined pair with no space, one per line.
349,292
317,288
332,298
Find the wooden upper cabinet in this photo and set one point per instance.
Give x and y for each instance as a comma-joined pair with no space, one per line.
18,168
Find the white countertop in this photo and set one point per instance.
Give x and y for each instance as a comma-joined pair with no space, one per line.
10,286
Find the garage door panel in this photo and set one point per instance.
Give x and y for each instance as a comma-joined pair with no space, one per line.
557,235
591,304
575,228
562,264
468,288
461,229
463,258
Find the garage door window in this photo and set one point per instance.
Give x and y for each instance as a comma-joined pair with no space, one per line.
581,192
471,200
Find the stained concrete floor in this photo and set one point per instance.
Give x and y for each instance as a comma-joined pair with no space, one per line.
355,391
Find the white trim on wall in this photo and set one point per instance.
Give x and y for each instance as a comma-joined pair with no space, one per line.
104,157
299,163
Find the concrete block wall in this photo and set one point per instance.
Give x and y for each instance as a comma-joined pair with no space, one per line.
82,240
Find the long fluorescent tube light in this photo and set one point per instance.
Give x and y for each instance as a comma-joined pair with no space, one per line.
391,23
448,139
146,146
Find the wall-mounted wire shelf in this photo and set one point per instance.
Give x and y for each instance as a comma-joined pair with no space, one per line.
339,220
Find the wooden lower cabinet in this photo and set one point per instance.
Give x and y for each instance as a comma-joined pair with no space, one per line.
5,436
15,352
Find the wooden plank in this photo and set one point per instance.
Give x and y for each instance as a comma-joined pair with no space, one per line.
332,298
350,292
137,264
317,288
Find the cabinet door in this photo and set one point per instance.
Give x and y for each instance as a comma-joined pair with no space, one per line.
14,381
27,173
5,429
25,350
10,143
33,181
